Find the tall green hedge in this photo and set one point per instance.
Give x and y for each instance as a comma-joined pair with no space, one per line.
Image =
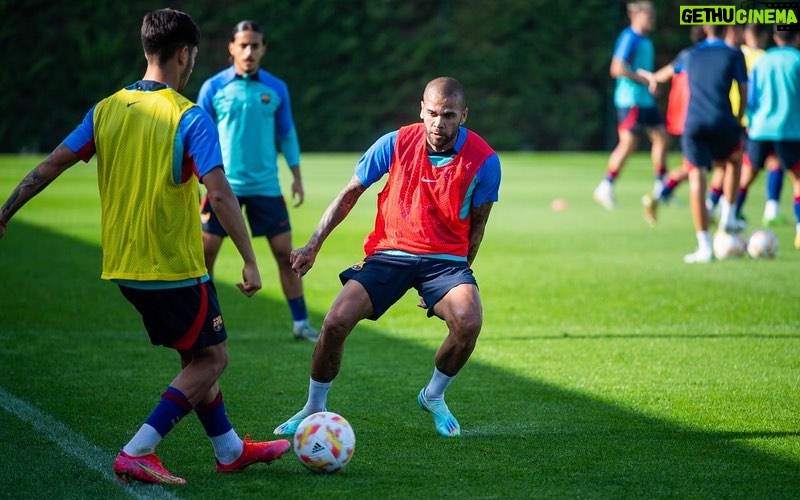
536,72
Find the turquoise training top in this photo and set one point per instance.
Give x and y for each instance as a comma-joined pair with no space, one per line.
253,114
637,52
773,103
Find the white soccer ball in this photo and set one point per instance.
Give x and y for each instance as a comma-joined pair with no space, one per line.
762,244
324,442
728,245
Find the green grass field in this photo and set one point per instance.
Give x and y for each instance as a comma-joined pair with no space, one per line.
606,367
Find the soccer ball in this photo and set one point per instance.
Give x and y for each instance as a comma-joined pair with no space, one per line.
324,442
728,245
762,244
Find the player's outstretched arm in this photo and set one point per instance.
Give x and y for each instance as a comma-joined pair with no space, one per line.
37,179
226,206
478,218
303,258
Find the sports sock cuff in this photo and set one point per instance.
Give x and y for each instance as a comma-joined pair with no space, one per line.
317,395
171,408
177,397
297,306
214,418
203,409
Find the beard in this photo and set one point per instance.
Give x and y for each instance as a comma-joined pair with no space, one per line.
440,141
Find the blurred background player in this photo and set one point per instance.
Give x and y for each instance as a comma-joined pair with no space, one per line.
636,107
253,113
712,134
752,40
774,110
677,103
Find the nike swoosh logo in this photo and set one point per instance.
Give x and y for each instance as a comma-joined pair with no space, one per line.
428,180
132,103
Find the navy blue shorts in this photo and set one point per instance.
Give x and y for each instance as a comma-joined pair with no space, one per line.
638,119
185,318
703,145
787,152
388,277
266,215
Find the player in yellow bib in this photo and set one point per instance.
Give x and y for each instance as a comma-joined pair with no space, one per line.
153,146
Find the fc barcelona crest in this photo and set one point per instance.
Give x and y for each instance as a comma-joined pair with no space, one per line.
217,323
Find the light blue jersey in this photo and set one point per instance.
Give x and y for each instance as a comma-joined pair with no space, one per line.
774,96
253,114
637,52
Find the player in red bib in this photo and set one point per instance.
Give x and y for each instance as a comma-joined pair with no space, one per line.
442,182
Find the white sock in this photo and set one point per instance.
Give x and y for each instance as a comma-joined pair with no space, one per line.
317,395
771,209
703,241
726,211
227,447
300,324
437,385
143,442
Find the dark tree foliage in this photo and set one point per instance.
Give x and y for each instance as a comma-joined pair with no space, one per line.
535,71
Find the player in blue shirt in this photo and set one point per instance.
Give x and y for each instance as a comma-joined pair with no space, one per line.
636,108
253,114
774,111
712,133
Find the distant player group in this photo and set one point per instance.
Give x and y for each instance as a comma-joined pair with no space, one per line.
733,104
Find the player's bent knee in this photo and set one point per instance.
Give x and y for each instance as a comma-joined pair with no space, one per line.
215,359
335,327
467,326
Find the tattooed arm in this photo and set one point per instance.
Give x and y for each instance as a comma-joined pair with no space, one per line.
303,259
37,179
478,218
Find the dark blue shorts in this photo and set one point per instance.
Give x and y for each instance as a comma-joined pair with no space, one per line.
388,277
266,215
185,318
702,145
788,153
638,119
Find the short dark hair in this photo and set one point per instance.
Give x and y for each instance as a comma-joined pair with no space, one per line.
697,33
246,25
446,86
786,36
164,31
717,30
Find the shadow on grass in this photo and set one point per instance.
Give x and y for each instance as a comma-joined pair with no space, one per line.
63,331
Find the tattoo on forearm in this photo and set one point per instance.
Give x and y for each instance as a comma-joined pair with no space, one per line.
33,183
478,219
337,211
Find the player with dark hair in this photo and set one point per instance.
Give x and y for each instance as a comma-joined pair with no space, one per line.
252,110
752,40
152,145
442,182
636,107
711,134
774,111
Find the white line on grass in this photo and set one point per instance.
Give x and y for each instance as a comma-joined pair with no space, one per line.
74,444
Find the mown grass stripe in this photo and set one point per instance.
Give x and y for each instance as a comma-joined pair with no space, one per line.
74,444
